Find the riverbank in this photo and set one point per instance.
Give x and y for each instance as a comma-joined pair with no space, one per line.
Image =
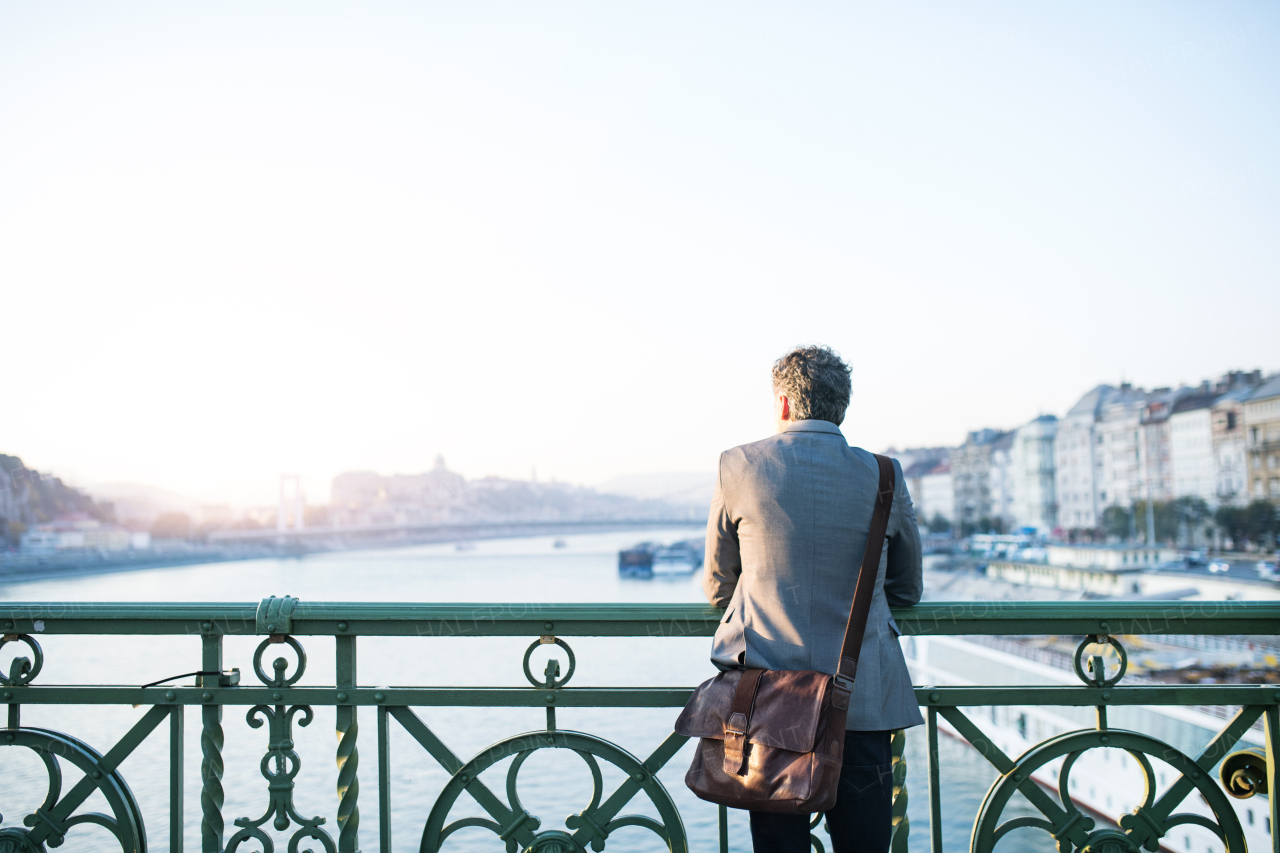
68,564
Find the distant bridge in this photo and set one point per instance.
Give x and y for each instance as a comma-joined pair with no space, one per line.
447,531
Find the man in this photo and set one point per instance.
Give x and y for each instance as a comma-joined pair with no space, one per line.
789,522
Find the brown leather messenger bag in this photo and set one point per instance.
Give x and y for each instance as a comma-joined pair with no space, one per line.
773,740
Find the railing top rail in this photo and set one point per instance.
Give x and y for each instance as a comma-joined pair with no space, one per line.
615,620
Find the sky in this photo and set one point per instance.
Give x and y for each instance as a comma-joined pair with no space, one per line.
242,239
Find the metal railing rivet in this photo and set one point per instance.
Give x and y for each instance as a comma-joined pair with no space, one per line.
271,627
170,695
1102,739
9,737
551,698
638,776
276,696
1106,694
8,626
379,697
549,626
8,694
1017,777
1104,626
208,626
342,697
934,697
342,626
97,774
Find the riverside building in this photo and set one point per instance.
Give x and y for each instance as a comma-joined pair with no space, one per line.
1262,430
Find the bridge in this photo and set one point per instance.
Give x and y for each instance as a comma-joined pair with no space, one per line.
280,699
447,531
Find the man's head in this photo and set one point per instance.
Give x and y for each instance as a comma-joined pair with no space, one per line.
810,383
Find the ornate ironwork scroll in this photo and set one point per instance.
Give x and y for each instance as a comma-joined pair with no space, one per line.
519,829
1071,829
55,816
281,763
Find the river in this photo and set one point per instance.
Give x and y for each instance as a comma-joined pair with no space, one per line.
552,783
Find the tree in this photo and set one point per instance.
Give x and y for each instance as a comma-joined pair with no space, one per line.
939,524
1166,519
1260,521
1115,520
1231,520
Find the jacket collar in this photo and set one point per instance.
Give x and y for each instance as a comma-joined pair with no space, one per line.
814,426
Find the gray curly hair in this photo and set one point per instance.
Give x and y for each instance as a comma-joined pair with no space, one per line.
816,382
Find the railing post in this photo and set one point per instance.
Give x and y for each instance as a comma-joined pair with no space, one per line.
384,781
901,825
348,755
935,782
176,791
211,740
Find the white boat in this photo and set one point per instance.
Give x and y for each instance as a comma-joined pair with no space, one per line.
675,561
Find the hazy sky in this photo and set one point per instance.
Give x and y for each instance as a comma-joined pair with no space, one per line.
244,238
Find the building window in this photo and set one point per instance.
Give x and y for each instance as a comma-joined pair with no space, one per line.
1231,420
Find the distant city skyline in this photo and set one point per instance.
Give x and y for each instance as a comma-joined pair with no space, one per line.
238,241
263,492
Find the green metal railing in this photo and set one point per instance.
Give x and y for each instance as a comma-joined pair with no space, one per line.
278,701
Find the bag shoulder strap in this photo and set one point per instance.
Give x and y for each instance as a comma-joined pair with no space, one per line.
857,627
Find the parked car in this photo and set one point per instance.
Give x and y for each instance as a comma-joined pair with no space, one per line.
1219,566
1269,569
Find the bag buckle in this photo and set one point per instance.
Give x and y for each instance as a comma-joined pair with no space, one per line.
844,681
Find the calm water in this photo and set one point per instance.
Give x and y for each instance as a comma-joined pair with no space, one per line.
552,783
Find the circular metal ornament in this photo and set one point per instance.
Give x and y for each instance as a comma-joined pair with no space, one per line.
280,664
560,682
22,670
1077,660
1139,831
520,829
125,821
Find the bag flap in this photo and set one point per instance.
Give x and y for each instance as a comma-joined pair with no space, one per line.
786,713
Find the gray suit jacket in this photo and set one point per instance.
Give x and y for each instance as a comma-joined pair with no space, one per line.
789,522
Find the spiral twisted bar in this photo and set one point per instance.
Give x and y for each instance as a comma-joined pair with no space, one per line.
211,769
901,825
348,787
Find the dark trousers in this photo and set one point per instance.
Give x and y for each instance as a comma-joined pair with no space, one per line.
860,821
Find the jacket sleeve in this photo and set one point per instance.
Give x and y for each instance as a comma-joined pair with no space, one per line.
904,579
723,558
